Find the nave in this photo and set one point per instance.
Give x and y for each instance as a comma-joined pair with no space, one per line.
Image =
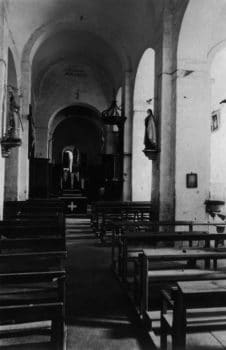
99,314
102,318
105,318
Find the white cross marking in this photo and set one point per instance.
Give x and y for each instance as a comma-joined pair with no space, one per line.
72,206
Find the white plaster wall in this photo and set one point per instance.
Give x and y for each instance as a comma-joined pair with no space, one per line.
3,77
192,143
143,91
7,41
59,90
200,31
218,137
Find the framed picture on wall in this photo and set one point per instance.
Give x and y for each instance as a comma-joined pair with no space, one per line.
215,120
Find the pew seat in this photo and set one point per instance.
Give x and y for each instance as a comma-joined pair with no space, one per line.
192,307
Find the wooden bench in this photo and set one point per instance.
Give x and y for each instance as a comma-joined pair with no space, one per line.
33,227
15,208
152,276
31,297
131,244
32,244
125,228
33,285
199,306
32,274
118,227
103,212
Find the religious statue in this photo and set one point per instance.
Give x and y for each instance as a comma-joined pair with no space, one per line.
150,136
13,113
75,173
66,178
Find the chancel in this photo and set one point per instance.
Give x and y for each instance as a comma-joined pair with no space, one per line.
112,174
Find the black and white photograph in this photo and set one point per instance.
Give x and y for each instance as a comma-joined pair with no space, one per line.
112,174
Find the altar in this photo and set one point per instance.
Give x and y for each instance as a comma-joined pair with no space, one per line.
74,203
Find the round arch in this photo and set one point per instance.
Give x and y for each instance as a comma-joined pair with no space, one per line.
143,99
214,51
60,116
194,36
53,120
80,130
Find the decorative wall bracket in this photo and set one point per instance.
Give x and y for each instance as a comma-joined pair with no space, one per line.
214,207
7,143
151,154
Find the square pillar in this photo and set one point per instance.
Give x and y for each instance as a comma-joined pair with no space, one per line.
127,149
192,142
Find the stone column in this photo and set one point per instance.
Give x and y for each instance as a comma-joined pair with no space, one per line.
11,175
3,77
127,149
193,140
39,184
23,173
163,186
41,145
183,109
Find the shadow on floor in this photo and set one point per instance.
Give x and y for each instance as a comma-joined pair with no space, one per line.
96,303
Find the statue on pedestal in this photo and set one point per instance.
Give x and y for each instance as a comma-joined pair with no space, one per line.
150,136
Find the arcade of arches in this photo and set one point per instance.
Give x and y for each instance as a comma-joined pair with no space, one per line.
64,63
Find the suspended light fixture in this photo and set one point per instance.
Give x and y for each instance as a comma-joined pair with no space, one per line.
113,115
113,160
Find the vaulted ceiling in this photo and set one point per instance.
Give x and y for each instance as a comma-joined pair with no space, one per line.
112,34
126,24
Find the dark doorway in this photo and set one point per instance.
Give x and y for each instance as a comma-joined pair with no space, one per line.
77,152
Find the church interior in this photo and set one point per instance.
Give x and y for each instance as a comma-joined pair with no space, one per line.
112,174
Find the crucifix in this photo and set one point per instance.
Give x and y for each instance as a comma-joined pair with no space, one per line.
72,206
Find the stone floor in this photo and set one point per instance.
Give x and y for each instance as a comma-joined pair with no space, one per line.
104,319
99,315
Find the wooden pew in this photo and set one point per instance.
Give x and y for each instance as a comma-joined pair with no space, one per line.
33,296
120,228
32,244
96,210
45,201
32,273
32,277
117,227
132,243
193,307
103,212
15,208
151,276
30,226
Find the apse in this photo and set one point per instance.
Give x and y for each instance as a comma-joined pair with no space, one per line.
77,144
